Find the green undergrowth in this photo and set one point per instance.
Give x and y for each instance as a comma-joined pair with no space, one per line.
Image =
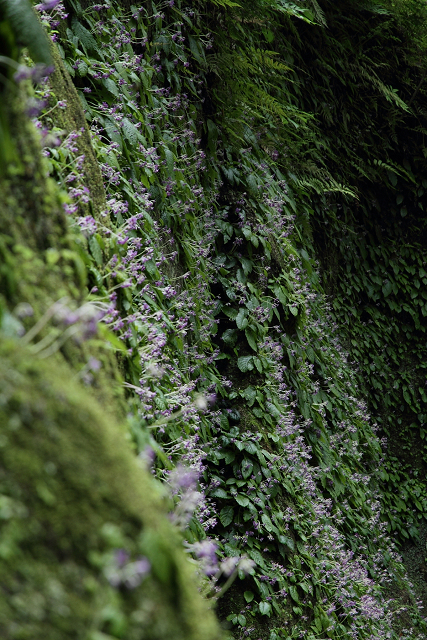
254,156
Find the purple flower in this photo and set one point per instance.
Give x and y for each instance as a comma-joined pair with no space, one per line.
48,5
121,557
183,478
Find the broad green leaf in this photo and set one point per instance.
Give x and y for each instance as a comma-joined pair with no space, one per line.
219,493
242,500
250,337
247,466
170,160
230,337
387,288
245,363
226,516
293,593
130,131
250,395
85,36
241,319
265,608
248,596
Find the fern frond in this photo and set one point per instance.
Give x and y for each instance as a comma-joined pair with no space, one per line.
389,93
318,12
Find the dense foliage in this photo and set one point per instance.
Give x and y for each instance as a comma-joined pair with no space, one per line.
239,143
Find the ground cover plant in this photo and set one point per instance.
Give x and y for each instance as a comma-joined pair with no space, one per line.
221,166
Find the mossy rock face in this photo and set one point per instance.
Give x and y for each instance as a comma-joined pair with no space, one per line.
76,512
70,119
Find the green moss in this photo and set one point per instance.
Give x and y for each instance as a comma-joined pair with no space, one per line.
71,492
72,119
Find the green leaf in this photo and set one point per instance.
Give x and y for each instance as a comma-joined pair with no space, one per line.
288,542
247,466
267,522
265,608
250,395
250,337
294,593
196,50
245,363
241,619
130,131
95,250
242,500
212,135
258,364
387,288
82,68
248,596
85,36
170,160
219,493
226,516
246,265
230,336
241,319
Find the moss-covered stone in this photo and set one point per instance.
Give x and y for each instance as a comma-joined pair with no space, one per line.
72,119
71,494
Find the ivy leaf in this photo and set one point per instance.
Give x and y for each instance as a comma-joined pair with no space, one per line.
226,516
245,363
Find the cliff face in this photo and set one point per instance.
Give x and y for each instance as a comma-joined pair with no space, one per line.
205,207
